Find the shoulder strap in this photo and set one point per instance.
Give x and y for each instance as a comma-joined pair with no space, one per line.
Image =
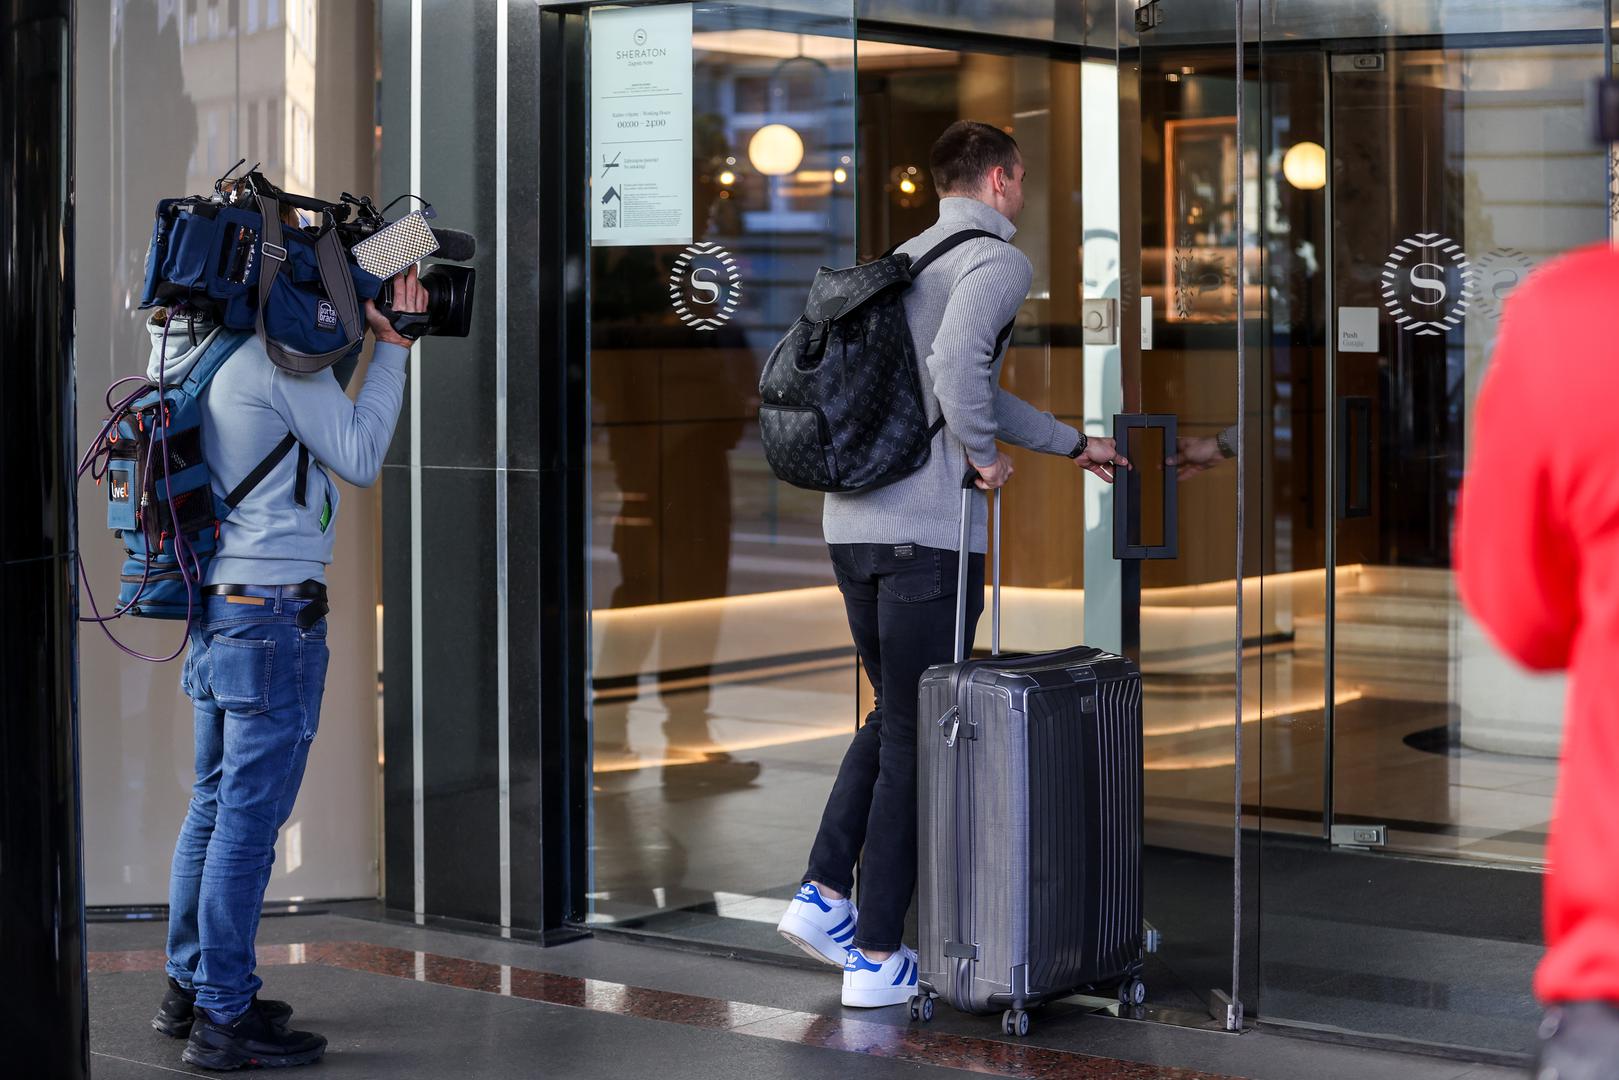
260,471
948,244
225,343
335,279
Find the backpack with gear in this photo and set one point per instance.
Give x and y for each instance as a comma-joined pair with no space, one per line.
161,505
841,405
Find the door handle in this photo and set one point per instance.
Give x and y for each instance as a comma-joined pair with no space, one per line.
1354,457
1127,543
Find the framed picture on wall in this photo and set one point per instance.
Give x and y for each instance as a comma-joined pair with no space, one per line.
1201,170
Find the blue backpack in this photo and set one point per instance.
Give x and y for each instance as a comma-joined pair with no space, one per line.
160,499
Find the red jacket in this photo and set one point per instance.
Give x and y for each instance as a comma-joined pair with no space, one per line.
1537,559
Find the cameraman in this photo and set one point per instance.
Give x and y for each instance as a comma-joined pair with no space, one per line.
256,667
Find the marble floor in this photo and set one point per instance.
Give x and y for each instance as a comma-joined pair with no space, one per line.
401,1002
708,790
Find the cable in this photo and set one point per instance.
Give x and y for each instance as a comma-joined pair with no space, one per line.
100,447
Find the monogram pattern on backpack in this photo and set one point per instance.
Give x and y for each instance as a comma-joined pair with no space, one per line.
841,407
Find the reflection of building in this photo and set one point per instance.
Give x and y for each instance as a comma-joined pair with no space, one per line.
169,94
250,68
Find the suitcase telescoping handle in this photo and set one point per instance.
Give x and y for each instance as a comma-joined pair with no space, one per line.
969,486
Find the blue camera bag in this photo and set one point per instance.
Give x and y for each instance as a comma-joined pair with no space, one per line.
301,294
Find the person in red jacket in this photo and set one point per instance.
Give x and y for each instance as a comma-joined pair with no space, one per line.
1537,559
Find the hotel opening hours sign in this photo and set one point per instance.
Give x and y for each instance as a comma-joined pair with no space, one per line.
640,126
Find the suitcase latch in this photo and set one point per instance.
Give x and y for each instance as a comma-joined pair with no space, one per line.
950,724
960,951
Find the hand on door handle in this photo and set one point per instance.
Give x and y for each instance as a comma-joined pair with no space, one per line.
1194,454
1102,458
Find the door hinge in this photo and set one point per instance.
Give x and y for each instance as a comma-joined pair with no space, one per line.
1148,17
1226,1009
1362,836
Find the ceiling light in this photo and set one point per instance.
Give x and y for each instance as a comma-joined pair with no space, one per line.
1305,166
776,149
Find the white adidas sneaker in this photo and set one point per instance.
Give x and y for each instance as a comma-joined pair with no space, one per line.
821,927
870,985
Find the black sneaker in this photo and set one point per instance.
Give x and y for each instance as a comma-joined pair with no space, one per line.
250,1040
175,1014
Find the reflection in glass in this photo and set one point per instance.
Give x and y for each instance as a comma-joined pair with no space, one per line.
722,672
1397,730
168,96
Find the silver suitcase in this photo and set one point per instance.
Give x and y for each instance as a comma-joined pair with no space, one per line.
1030,824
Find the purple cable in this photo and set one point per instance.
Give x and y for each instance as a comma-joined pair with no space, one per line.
180,545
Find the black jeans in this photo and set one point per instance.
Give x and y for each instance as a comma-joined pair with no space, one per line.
901,601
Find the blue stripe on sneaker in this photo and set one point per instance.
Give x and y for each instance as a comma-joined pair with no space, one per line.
858,962
845,936
811,895
903,970
841,927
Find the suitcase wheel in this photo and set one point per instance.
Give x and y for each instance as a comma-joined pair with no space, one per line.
1132,991
1015,1022
922,1008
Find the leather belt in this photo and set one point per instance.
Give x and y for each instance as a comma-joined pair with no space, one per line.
307,590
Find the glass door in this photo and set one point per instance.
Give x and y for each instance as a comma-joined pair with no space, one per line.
723,682
1415,174
722,169
1172,552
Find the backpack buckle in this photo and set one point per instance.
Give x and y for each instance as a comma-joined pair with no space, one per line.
274,251
817,340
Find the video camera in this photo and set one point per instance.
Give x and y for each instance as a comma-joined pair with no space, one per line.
385,248
301,287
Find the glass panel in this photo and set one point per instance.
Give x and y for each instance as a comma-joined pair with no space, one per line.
723,674
1192,162
1416,180
167,97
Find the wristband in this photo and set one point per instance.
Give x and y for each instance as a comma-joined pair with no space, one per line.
1079,448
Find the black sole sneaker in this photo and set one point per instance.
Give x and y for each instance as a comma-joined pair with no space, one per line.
249,1041
175,1015
220,1059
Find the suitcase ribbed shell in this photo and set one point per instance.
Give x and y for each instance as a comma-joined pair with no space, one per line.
1030,828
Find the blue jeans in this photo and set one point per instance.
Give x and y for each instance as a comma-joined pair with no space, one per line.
255,679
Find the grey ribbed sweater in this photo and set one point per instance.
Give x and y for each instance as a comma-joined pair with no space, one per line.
956,308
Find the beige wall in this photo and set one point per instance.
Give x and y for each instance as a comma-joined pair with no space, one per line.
145,92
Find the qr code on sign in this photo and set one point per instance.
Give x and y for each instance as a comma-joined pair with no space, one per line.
610,217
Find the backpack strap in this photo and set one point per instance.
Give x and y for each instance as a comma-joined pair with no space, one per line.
334,278
214,355
921,264
222,348
948,244
263,468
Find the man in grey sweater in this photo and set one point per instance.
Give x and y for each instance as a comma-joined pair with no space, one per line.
893,550
256,666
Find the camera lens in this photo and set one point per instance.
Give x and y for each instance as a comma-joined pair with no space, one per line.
449,301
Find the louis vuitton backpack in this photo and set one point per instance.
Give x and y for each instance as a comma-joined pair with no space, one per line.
840,398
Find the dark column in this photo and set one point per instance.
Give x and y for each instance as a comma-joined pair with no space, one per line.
481,500
42,992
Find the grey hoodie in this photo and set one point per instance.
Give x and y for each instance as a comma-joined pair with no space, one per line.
248,408
955,310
